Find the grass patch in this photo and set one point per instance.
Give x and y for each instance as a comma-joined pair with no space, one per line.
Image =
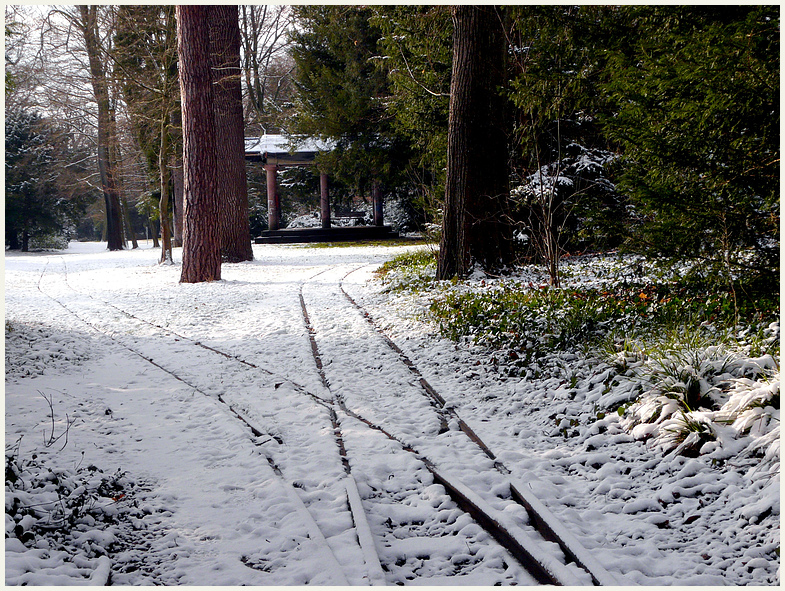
409,261
386,242
411,271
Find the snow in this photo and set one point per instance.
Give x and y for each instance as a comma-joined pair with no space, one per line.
160,483
281,144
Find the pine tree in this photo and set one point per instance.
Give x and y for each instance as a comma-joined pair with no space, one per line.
565,197
201,236
416,54
697,100
229,127
342,94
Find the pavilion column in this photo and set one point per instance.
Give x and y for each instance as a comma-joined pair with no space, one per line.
273,199
378,204
325,200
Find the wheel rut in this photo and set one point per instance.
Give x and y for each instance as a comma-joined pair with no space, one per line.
403,486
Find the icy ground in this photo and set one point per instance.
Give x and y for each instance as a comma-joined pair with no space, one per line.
119,472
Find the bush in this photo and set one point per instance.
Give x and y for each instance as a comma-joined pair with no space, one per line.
45,502
697,397
410,271
540,320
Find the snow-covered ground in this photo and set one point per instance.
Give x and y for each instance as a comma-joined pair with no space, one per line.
126,462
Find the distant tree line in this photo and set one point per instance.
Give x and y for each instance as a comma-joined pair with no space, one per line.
108,78
522,133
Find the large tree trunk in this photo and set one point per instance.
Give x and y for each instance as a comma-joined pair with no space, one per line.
107,167
378,203
201,233
229,127
476,225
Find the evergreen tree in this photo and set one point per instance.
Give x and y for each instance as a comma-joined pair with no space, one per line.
228,104
342,94
697,117
565,198
36,208
416,54
202,230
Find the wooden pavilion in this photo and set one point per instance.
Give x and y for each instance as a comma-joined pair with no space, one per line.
277,151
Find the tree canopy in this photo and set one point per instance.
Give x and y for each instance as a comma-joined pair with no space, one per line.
697,122
649,128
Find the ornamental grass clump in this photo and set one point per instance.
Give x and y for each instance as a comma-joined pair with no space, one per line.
704,399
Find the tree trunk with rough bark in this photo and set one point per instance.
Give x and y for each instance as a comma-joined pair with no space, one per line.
129,230
153,232
179,190
230,136
107,167
476,225
201,233
179,185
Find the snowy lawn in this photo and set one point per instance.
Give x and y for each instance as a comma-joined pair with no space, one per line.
117,471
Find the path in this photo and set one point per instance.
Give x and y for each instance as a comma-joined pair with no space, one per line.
163,371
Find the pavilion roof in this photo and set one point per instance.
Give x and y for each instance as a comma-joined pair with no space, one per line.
281,149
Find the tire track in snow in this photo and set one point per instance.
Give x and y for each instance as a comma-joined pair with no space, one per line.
546,568
372,571
374,574
322,551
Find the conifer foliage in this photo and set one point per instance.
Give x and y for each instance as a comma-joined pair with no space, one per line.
697,121
342,95
37,209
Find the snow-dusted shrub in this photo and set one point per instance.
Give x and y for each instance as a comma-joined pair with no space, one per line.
60,523
75,525
40,499
528,321
413,270
704,399
311,220
53,241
